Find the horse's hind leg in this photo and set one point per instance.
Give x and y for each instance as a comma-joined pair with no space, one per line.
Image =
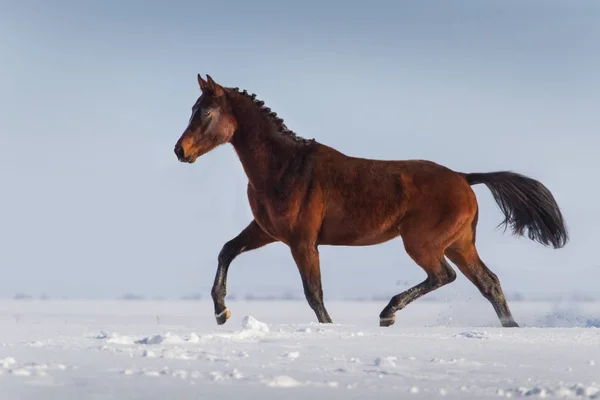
464,254
439,273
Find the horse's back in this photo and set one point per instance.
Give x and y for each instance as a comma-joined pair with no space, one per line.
369,201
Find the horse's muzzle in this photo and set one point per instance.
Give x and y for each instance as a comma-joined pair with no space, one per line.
180,154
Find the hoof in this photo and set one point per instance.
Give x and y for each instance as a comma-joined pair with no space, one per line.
223,316
510,324
387,321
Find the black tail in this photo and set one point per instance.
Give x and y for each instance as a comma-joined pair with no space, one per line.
527,205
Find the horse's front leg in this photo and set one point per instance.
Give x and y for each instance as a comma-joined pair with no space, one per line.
250,238
306,256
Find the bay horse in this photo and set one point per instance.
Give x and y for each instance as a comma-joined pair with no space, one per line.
306,194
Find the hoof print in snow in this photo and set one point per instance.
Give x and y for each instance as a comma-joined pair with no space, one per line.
472,335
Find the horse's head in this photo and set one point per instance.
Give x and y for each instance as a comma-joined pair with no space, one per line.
211,123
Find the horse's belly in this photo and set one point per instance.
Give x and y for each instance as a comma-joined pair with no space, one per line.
348,233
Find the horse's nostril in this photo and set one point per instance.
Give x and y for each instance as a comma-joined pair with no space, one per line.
179,152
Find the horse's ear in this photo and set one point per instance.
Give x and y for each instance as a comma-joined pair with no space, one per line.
215,88
203,84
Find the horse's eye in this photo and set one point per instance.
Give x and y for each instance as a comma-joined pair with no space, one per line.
205,113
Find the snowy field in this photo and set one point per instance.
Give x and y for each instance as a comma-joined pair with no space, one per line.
272,350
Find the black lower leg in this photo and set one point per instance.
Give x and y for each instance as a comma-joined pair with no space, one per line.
489,286
314,295
250,238
306,256
219,289
443,276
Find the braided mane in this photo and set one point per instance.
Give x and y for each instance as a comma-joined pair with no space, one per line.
284,130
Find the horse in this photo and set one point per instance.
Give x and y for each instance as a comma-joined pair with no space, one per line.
306,194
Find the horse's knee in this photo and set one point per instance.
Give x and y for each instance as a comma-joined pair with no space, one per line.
228,252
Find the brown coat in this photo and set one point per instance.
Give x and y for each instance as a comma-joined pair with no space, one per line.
306,194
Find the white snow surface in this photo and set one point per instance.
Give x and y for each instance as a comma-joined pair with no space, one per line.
59,350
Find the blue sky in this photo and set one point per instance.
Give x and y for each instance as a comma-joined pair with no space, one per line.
93,96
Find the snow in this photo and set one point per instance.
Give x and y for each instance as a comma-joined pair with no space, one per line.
250,323
271,350
283,381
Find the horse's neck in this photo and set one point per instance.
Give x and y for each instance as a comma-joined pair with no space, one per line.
263,154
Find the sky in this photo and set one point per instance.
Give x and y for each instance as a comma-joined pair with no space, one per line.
94,95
